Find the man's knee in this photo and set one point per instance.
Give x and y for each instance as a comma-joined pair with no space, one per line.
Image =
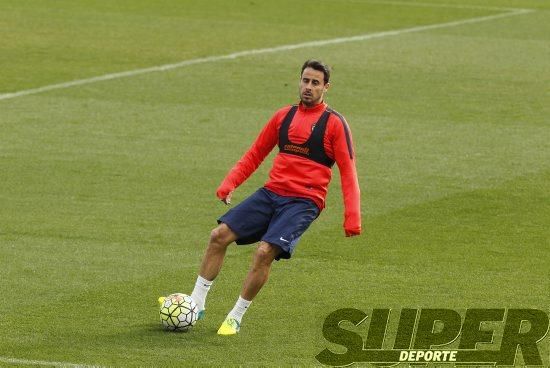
266,253
222,236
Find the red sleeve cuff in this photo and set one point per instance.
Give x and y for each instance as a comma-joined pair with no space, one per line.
223,190
352,232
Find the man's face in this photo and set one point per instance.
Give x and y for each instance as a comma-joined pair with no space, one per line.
312,87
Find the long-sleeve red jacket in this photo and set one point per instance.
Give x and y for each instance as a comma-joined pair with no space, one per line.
296,176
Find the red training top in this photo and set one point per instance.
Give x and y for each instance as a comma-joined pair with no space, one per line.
297,176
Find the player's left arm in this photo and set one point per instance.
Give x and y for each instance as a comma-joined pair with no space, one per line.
344,155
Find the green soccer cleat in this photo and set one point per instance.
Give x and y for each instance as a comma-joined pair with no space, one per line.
229,327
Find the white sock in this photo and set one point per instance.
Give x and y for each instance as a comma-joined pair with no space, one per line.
202,286
239,309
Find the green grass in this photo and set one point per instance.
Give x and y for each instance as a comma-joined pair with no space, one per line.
107,191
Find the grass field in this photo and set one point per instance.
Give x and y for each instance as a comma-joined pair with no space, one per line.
107,188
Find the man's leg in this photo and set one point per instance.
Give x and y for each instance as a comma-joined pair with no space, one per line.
212,261
257,276
259,271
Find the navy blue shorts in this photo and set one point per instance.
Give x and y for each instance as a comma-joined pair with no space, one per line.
272,218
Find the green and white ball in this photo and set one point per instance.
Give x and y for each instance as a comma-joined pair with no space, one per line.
178,312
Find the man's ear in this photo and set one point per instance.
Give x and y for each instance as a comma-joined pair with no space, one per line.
327,85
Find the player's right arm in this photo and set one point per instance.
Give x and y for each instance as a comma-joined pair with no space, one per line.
249,162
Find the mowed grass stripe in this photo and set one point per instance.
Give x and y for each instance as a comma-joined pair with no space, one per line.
435,5
16,361
375,271
131,35
310,44
408,248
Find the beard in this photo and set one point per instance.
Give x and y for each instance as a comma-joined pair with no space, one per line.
307,99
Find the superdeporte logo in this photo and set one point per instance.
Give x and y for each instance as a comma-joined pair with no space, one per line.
482,337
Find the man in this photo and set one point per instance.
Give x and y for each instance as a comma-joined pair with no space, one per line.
311,138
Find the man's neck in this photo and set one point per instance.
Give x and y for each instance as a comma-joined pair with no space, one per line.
312,105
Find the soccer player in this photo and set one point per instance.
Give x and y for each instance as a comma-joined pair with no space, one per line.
311,137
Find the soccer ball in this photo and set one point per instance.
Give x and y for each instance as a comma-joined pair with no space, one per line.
178,312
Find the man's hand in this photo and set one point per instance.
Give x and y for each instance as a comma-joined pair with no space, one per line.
224,193
227,199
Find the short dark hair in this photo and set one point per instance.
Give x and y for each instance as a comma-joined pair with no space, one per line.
317,65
